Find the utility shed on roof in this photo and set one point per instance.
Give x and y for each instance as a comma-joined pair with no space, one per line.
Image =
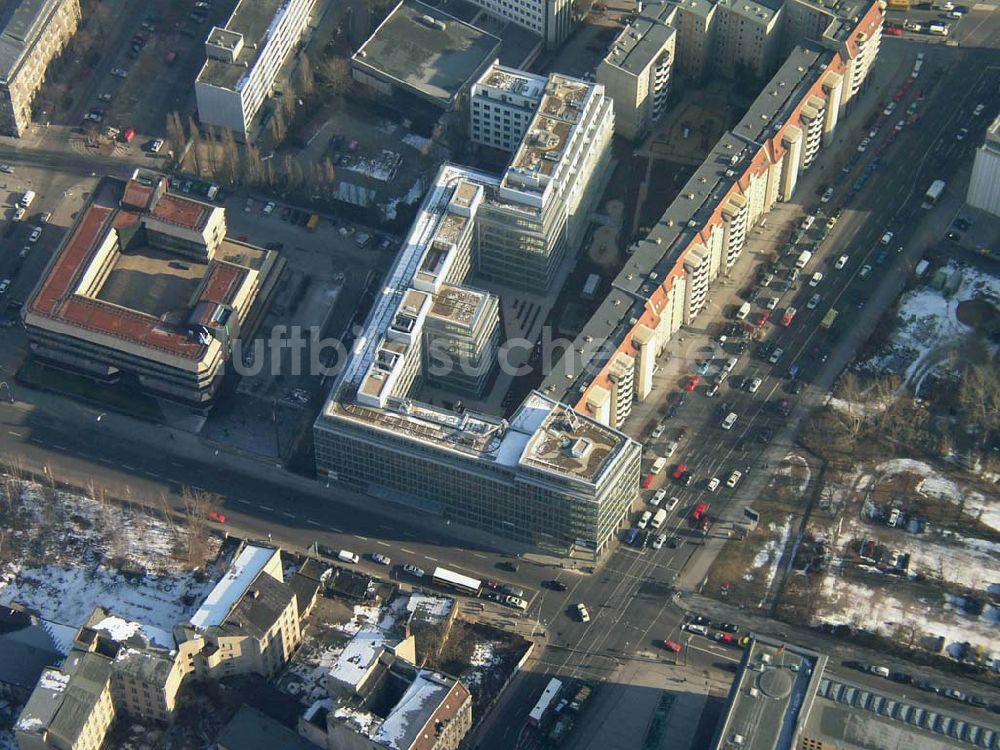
252,730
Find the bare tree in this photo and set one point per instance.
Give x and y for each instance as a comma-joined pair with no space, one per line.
329,173
196,150
335,75
852,414
279,129
306,80
230,156
197,504
175,133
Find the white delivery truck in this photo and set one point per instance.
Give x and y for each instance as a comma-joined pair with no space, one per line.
743,312
658,518
803,260
348,557
27,199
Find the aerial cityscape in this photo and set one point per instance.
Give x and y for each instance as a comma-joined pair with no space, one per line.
499,375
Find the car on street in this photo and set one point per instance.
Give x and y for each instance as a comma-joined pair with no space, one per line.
776,355
889,109
978,110
670,645
35,234
516,602
831,223
700,620
555,585
214,515
813,302
4,285
380,559
881,258
413,570
658,431
756,382
269,208
692,383
119,73
729,627
865,271
953,236
955,695
44,217
734,479
886,238
6,169
901,677
713,484
816,279
927,686
581,610
725,638
961,134
509,588
827,195
659,541
841,262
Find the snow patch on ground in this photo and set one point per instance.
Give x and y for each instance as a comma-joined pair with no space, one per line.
770,554
934,484
482,660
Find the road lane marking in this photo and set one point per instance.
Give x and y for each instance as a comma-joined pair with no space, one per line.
151,474
128,468
245,502
362,538
432,559
407,551
15,434
480,556
335,530
264,507
384,544
314,523
287,515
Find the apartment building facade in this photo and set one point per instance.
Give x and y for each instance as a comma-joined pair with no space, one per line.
552,20
668,277
244,58
34,33
984,187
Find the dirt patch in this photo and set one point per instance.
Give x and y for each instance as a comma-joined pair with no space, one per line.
978,314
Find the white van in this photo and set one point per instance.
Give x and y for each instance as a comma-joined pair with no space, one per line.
807,223
729,421
938,29
348,557
699,629
658,518
27,199
644,519
744,311
731,363
658,465
803,260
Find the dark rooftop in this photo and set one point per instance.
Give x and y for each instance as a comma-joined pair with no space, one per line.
249,729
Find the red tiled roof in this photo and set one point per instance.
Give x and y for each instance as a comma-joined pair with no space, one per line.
56,299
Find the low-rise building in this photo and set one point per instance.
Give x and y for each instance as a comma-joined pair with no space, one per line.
146,289
244,57
28,644
33,33
250,729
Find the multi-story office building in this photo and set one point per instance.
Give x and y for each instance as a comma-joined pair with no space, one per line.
502,104
552,20
34,32
542,204
147,287
462,332
984,188
668,277
545,477
637,70
244,59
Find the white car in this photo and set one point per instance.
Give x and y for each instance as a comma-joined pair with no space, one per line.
771,303
816,279
35,234
659,541
380,559
886,238
863,146
156,145
45,217
581,609
19,213
413,570
827,195
775,355
516,602
865,270
813,302
889,109
658,497
644,520
119,72
754,385
734,479
4,285
268,208
978,110
899,126
713,484
712,390
841,262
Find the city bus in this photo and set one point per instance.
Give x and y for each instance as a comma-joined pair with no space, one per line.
449,579
549,695
828,319
933,193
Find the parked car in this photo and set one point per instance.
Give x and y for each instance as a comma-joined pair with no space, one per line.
35,234
269,208
671,645
581,610
156,145
413,570
214,515
516,602
119,72
380,559
44,217
555,585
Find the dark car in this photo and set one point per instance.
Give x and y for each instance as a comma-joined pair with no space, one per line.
555,585
881,258
901,677
491,584
953,236
326,551
975,700
927,685
795,387
729,627
962,224
508,565
512,590
700,620
765,435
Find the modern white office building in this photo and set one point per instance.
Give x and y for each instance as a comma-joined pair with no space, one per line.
244,58
984,187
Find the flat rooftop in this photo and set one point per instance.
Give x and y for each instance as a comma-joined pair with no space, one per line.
432,53
513,81
771,696
253,19
558,113
641,42
22,22
457,305
227,592
151,281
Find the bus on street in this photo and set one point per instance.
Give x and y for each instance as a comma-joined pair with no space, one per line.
933,193
457,582
541,708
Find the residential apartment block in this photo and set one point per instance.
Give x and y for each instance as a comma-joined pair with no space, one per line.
380,700
248,624
984,187
701,235
698,38
244,59
96,310
34,32
552,20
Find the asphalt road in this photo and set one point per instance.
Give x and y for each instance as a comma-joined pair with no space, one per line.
629,596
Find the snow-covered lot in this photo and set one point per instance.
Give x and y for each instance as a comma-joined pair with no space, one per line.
927,326
70,553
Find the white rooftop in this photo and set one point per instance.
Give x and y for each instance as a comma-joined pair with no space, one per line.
357,657
409,716
227,592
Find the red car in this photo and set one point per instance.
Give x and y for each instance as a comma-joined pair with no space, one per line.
762,318
128,135
679,471
692,382
699,510
648,480
671,645
216,516
726,638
